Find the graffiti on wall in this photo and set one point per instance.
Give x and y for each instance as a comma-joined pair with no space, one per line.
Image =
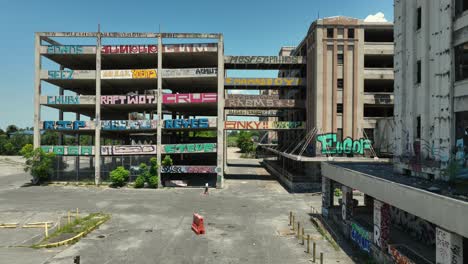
259,102
412,225
128,99
189,148
129,74
330,144
128,124
361,236
65,49
151,49
263,81
449,247
381,223
259,125
67,125
190,98
190,72
63,99
190,123
347,203
105,150
253,112
69,150
188,169
326,192
60,74
397,256
129,150
263,59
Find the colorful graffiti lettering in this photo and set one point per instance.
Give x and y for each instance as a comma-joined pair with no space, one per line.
264,59
259,125
190,98
263,81
66,125
188,169
398,256
330,145
128,124
144,74
253,112
381,223
449,247
64,74
262,103
63,99
69,150
128,99
361,237
196,47
416,227
129,74
189,148
66,49
129,150
129,49
190,72
190,123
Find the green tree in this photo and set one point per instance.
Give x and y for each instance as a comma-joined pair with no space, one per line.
167,161
245,142
119,176
153,172
11,129
49,138
38,163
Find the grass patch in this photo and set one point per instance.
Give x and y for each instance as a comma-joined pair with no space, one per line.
76,227
325,234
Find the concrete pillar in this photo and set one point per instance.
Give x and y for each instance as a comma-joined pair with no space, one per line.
327,196
37,90
449,247
381,224
159,110
347,203
97,141
220,125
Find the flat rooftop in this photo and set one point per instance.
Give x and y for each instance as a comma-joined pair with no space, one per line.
385,171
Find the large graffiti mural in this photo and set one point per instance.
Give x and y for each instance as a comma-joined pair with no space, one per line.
129,124
260,101
449,247
381,223
105,150
263,59
128,99
412,225
189,148
129,74
65,49
253,112
330,145
263,81
262,125
188,169
189,72
361,236
190,98
67,125
190,123
152,49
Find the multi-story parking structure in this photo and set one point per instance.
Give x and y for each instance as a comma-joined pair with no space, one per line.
135,102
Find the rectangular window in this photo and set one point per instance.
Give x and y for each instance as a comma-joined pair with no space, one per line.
339,134
418,17
418,71
461,62
329,32
340,59
339,108
351,33
418,127
339,84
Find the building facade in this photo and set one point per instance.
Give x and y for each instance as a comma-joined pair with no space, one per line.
431,88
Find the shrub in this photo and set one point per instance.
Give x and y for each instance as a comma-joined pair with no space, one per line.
153,171
337,192
167,161
153,182
144,171
140,182
245,142
38,163
119,176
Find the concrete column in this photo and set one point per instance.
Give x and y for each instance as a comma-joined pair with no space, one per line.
37,90
97,135
220,125
381,224
60,134
327,196
449,247
347,203
77,158
159,110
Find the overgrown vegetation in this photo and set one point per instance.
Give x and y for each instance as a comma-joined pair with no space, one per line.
38,163
76,227
167,161
337,192
119,176
153,173
245,142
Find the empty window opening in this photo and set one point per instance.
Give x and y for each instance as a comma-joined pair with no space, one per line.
351,33
330,32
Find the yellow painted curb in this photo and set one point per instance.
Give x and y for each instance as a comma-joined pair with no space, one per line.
73,239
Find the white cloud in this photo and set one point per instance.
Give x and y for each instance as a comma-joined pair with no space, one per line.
378,17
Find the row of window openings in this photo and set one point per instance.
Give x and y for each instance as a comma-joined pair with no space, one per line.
330,33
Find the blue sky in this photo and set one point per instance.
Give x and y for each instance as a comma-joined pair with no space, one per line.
250,27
